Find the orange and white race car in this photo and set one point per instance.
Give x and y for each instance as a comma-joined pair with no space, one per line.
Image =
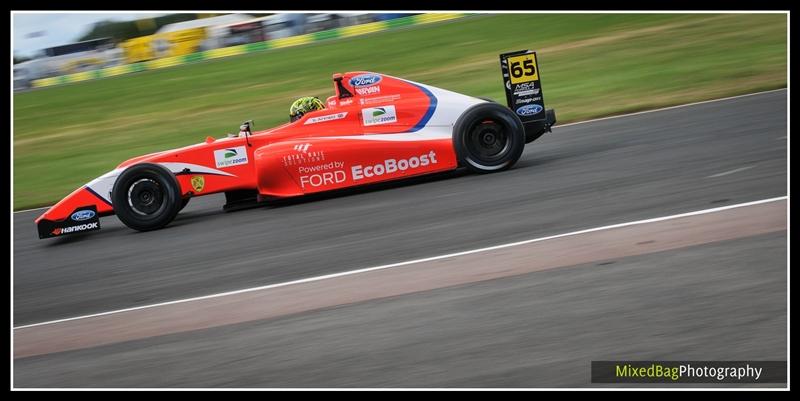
375,128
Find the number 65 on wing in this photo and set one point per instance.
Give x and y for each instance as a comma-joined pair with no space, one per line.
524,90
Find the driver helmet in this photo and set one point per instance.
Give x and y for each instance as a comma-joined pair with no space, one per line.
304,105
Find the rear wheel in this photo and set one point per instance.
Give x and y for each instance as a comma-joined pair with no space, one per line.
146,197
488,137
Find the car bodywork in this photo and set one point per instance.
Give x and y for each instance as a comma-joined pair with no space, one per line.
375,128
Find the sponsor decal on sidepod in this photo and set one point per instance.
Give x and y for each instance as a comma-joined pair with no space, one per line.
529,110
370,90
320,167
326,178
329,117
303,147
82,215
380,99
320,174
230,157
303,156
389,166
198,183
379,115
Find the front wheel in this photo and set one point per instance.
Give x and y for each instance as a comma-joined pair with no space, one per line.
146,197
488,137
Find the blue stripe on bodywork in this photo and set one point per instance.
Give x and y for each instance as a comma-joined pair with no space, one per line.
97,195
429,113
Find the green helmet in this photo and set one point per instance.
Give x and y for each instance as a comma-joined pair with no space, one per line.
304,105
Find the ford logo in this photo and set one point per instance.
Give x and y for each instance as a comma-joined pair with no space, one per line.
365,80
529,110
82,215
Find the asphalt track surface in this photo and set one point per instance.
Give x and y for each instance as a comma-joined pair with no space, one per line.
482,334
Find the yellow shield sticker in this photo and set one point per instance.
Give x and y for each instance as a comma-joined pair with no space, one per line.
198,182
523,68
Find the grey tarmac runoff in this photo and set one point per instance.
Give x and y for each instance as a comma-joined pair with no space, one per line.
704,286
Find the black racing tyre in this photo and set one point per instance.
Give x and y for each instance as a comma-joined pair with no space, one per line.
146,197
488,137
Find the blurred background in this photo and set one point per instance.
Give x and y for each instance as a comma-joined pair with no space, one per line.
111,40
122,85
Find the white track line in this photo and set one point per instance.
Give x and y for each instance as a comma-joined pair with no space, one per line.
736,170
603,118
409,262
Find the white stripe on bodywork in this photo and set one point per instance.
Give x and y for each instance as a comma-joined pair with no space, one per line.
194,168
102,185
449,105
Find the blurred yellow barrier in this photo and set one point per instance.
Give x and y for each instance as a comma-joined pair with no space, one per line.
224,52
291,41
362,29
40,83
164,62
118,70
81,76
428,18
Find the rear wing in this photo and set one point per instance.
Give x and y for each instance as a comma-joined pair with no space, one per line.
524,92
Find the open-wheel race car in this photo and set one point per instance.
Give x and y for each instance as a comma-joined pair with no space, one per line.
375,128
